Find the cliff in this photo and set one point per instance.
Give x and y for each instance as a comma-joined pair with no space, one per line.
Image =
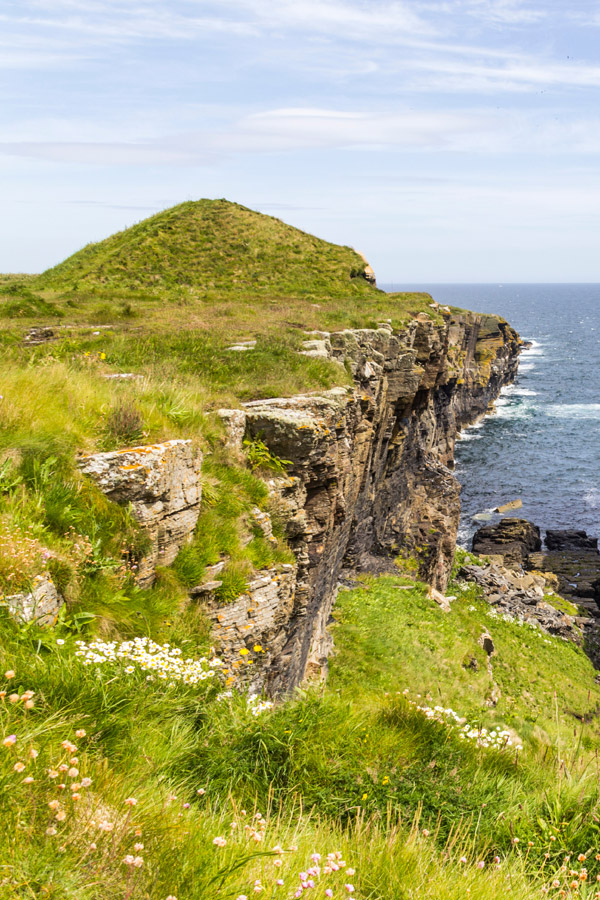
370,475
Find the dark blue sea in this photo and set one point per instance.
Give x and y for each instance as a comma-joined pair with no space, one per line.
543,442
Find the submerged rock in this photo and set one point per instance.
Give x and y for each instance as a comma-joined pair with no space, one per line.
570,540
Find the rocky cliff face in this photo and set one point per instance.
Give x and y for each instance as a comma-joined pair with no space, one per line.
371,465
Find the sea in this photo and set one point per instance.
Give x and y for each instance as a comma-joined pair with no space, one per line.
542,443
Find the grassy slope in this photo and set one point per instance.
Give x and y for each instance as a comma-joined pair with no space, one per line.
401,796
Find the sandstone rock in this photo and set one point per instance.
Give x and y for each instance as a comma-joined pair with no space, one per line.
235,428
508,507
41,605
162,484
206,589
513,539
259,618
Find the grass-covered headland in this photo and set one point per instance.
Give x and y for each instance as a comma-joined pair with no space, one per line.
128,767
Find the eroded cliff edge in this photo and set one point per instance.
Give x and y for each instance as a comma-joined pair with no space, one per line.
370,476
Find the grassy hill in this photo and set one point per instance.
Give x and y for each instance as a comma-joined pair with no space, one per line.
213,245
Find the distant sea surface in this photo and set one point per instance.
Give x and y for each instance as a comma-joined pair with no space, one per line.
543,442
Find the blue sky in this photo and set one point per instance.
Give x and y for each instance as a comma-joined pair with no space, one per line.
452,140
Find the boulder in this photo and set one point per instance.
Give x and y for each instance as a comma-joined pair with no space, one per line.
41,605
513,539
161,483
570,540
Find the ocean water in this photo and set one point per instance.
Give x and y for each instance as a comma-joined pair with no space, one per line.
543,442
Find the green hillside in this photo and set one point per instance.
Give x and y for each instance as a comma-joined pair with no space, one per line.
213,245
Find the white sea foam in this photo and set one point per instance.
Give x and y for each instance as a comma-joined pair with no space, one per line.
526,367
465,436
536,349
573,410
513,390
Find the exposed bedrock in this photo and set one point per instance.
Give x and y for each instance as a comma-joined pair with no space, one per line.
371,464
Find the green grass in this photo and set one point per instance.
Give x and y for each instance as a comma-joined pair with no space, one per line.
353,767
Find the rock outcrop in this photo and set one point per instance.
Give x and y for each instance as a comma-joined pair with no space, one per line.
371,465
525,597
512,539
161,483
41,604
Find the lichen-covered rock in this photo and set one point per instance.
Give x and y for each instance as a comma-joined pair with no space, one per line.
252,631
41,605
161,483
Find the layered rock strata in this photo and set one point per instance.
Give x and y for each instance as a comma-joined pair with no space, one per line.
161,484
371,464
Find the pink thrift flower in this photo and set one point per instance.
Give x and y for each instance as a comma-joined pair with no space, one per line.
329,892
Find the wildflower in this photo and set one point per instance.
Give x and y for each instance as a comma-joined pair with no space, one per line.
258,886
349,888
556,883
34,753
28,780
105,826
10,740
328,892
54,804
172,897
279,882
14,698
27,695
515,840
80,733
69,747
241,897
481,864
186,805
463,859
364,796
138,862
19,766
86,782
52,773
350,872
76,796
128,860
138,847
93,847
315,857
219,841
73,772
277,863
10,674
581,857
244,651
130,801
74,761
425,832
60,815
201,792
51,831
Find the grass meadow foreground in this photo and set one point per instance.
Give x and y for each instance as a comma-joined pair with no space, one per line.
129,771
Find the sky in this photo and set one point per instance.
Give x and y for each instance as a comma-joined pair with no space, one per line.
448,141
